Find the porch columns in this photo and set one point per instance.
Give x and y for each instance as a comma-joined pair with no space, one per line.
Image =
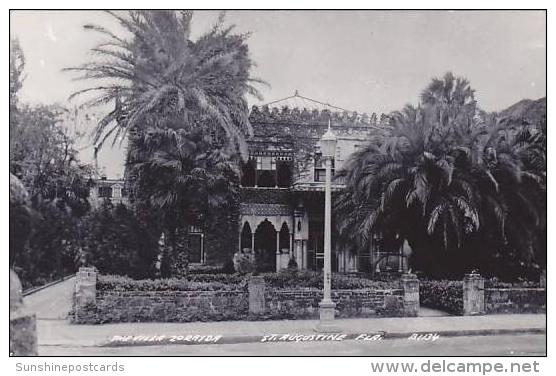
400,259
299,253
305,255
252,242
203,257
278,255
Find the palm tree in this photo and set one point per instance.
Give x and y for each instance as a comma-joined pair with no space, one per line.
443,175
182,104
160,77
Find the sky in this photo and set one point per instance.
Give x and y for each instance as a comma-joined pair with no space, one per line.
366,61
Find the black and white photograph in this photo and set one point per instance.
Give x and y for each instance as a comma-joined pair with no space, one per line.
278,183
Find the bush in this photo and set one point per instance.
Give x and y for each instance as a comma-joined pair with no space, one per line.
179,262
443,294
119,283
204,269
244,263
292,264
228,267
286,278
117,242
289,278
230,279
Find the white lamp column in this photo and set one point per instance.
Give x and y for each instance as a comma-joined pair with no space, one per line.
327,306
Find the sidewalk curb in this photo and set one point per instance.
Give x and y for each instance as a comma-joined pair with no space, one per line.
163,340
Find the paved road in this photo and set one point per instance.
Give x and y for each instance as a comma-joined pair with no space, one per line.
514,345
52,303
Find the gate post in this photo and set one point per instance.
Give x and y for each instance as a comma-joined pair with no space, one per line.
410,285
256,288
85,288
473,294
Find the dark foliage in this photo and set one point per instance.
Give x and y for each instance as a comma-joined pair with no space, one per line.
117,242
465,188
45,235
211,283
443,295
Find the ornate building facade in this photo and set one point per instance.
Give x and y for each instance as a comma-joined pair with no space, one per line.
282,185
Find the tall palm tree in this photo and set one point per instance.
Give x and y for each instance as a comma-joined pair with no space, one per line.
182,104
184,178
442,176
158,76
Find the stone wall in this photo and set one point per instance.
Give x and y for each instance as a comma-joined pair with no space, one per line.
186,306
171,306
304,303
515,300
254,302
480,300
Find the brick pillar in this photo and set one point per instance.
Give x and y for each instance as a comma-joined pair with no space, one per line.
410,285
256,290
85,288
23,327
473,294
543,279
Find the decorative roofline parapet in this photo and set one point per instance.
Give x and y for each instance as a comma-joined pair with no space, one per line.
265,114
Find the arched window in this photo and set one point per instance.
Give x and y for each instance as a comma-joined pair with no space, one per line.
246,237
284,237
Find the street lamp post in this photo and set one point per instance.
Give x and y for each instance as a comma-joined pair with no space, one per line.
327,306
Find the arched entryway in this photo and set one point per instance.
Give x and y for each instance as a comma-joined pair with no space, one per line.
246,238
265,246
285,239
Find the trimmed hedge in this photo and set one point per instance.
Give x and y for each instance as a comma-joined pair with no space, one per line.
291,279
204,269
227,282
443,295
119,283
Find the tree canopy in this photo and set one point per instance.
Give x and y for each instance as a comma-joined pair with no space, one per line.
458,183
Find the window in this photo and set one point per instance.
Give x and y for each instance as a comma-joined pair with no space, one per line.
195,245
266,171
195,229
320,175
320,169
117,191
105,192
266,163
